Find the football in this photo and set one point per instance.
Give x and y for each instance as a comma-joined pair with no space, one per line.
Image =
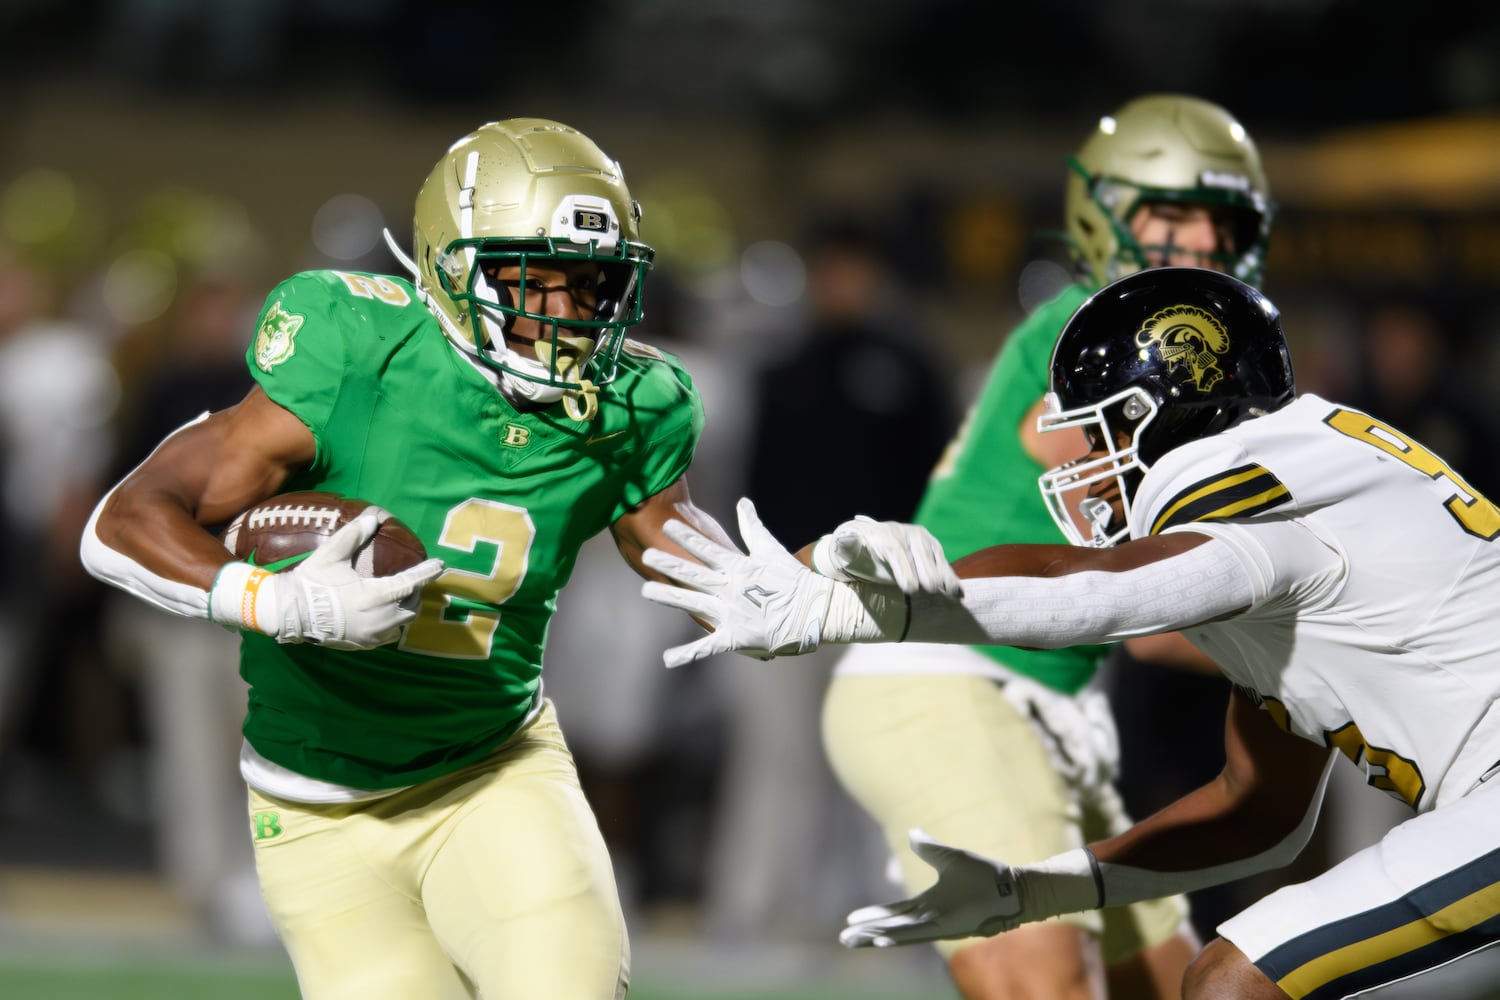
277,531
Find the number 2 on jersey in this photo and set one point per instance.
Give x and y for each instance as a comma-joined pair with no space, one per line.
1475,514
457,617
373,286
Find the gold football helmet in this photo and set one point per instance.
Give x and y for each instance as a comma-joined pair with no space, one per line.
1164,147
519,193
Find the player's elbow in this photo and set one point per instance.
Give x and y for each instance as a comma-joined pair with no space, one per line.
93,553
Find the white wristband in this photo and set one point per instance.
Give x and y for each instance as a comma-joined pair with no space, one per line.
241,597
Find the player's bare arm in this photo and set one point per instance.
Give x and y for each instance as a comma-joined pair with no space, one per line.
1270,788
1256,815
1062,560
641,528
149,537
203,474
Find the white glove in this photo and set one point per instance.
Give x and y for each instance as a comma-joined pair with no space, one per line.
974,897
764,603
1077,731
322,599
890,552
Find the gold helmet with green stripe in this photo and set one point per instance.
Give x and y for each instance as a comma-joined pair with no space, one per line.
1165,148
521,193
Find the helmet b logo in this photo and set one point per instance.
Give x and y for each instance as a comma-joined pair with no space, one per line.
591,222
1189,338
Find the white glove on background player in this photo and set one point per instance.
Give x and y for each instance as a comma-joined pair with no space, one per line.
763,603
888,552
1077,731
974,897
322,599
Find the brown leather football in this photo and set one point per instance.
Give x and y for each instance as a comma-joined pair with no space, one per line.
277,531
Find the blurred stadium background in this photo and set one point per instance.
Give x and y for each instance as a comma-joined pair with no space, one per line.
163,162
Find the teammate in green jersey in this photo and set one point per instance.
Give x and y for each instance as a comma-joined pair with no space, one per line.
418,822
1006,750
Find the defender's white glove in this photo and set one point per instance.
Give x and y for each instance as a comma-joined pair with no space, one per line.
1078,731
974,897
763,603
322,599
889,552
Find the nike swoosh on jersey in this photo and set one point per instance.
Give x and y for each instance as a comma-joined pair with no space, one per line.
602,437
277,565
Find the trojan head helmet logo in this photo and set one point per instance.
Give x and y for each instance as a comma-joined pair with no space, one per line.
1189,338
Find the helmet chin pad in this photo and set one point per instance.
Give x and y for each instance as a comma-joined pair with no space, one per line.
557,364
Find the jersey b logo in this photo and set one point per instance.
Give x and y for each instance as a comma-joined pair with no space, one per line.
515,436
1189,338
267,825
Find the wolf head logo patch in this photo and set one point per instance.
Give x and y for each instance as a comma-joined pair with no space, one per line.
275,340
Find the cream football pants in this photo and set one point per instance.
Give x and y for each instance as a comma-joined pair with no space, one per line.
950,754
491,881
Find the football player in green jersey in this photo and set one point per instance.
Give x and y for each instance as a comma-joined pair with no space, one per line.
417,817
1010,749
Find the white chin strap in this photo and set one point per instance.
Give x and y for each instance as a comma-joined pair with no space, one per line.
518,385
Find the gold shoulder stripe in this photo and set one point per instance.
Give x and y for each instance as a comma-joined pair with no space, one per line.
1242,492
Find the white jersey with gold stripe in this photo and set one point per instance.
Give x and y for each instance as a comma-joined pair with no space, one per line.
1376,571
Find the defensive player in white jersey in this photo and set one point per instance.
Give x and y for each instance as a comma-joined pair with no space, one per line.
1342,575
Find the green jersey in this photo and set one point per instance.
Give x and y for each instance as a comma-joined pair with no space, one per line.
504,497
984,491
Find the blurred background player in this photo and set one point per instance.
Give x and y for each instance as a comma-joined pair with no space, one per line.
418,823
58,396
1012,752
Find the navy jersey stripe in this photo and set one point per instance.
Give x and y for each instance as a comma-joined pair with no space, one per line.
1442,920
1242,492
1414,962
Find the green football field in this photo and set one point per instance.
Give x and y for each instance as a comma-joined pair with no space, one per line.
71,935
22,982
56,965
124,978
